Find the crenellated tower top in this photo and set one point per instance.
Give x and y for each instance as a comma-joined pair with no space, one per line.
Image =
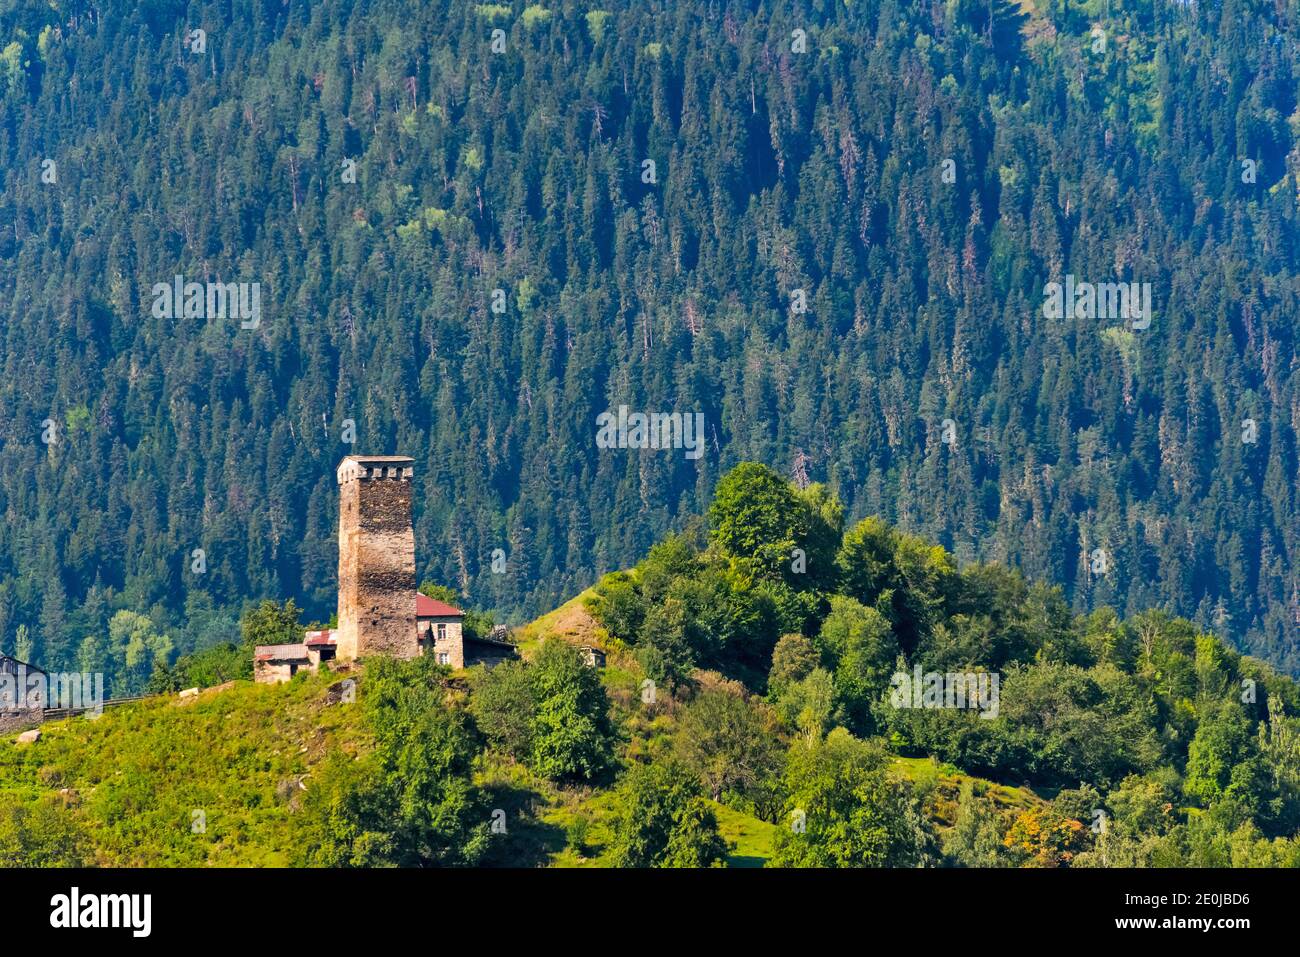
375,467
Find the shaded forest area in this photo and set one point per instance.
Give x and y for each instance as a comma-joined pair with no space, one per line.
129,441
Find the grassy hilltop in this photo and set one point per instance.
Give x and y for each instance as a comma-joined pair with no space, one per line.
122,790
748,714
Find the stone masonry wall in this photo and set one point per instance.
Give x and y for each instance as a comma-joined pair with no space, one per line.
453,645
269,673
20,719
376,559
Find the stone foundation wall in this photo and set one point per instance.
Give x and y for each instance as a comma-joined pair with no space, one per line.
18,720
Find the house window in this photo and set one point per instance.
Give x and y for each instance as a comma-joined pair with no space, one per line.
442,631
444,658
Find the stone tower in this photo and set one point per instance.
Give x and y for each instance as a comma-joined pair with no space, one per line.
376,558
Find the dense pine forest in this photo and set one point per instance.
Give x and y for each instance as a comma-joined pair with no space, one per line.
827,226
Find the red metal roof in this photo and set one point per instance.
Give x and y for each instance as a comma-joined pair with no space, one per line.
323,637
426,607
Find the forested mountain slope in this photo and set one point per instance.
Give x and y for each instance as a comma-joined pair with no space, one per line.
1100,141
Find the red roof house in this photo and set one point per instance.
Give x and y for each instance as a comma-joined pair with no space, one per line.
426,607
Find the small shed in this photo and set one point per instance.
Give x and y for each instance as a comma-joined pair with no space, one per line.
275,663
321,645
23,691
